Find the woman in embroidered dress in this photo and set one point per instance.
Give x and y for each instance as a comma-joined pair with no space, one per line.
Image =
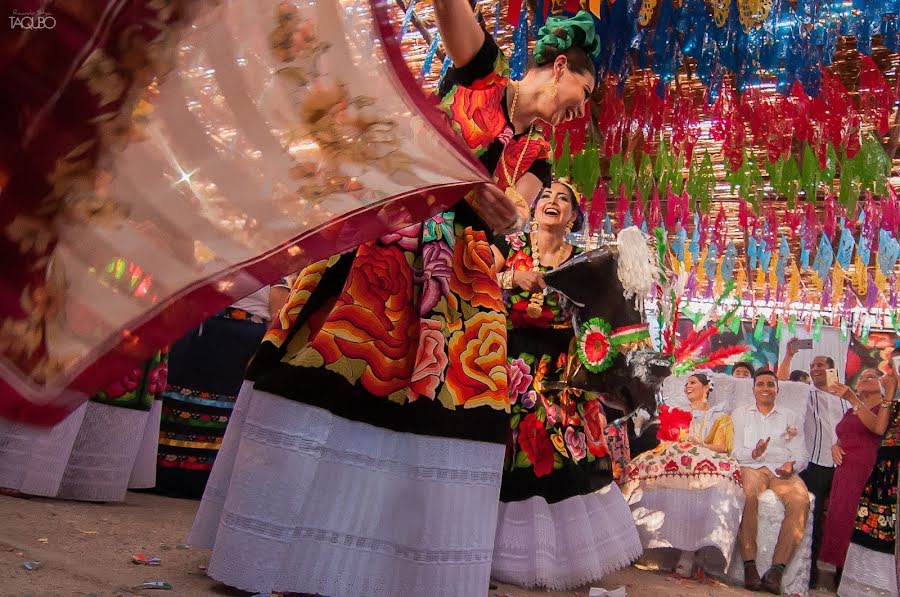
555,528
859,434
687,494
365,452
206,370
870,566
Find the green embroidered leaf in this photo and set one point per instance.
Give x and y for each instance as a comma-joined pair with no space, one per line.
350,369
446,399
468,311
514,421
308,357
541,414
557,461
522,460
399,397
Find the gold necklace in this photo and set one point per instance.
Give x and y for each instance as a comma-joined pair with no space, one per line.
536,302
514,195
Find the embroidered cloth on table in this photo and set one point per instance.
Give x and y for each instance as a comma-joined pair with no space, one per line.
281,133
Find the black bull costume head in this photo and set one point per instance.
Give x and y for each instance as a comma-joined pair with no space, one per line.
633,372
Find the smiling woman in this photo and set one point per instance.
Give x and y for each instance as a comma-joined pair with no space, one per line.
557,527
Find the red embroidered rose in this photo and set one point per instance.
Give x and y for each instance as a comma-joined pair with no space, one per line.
594,423
536,444
374,320
537,148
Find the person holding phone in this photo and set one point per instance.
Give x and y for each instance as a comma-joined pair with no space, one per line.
769,447
825,409
859,436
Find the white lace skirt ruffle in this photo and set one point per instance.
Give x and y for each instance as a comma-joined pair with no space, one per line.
567,544
689,519
868,573
300,500
95,454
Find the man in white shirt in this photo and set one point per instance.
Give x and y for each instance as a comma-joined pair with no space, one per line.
770,448
823,412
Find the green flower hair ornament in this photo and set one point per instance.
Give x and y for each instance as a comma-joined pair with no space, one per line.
575,29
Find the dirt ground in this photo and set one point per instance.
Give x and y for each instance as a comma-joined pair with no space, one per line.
86,550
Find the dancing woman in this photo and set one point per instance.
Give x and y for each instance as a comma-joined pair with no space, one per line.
554,528
365,452
694,483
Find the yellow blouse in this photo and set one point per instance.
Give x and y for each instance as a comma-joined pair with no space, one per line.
722,432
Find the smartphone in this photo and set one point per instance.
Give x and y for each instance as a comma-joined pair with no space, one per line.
803,344
831,376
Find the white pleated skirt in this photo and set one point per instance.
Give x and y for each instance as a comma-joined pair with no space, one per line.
300,500
566,544
95,454
689,519
868,573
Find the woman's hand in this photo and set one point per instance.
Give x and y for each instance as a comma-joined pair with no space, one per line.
494,208
839,389
529,281
837,454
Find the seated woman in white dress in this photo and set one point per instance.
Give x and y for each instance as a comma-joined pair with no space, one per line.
686,494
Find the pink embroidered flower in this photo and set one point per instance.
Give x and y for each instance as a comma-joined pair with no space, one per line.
431,361
686,460
554,413
576,444
515,241
506,135
157,379
725,466
519,379
406,238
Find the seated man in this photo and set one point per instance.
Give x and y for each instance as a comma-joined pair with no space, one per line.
769,447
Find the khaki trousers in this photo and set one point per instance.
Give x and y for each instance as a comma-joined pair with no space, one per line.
792,493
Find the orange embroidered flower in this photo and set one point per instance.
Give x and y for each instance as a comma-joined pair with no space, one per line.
374,320
431,360
473,277
477,373
476,114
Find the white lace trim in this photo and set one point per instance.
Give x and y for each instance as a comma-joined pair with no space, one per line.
566,544
91,455
300,500
868,573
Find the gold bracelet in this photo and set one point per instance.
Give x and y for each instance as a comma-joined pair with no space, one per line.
506,279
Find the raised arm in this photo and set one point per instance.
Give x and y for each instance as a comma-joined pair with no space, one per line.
460,32
784,369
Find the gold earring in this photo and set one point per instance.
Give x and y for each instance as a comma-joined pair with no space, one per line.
534,226
550,89
569,227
